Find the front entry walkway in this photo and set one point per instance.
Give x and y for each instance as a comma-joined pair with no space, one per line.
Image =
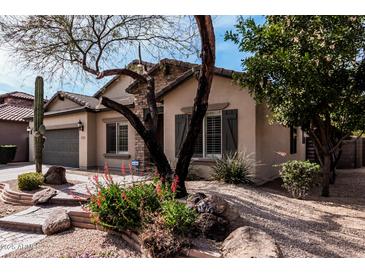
24,229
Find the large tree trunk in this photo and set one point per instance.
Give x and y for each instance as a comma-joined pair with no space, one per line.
148,136
206,30
326,173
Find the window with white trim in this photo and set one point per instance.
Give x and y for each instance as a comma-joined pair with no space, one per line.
209,141
116,138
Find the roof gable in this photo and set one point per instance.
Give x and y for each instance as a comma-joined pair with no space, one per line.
67,100
187,75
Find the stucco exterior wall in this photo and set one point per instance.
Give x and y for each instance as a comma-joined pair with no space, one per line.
101,119
14,133
62,105
273,145
117,88
223,91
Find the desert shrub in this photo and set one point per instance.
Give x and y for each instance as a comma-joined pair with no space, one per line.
121,207
234,168
160,242
7,153
299,177
177,216
30,181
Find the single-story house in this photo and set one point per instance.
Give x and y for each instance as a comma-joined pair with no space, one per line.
82,134
14,107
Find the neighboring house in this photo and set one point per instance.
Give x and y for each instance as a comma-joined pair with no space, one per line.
82,134
14,107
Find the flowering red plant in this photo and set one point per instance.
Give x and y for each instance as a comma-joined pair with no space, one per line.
124,196
107,177
175,184
122,168
98,202
159,189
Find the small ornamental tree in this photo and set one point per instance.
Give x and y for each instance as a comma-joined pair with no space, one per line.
309,70
92,43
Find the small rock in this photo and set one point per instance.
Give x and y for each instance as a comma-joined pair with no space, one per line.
249,242
57,221
43,196
212,227
195,198
56,175
212,204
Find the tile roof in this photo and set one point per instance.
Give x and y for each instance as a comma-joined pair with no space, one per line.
134,62
14,113
18,94
189,66
80,99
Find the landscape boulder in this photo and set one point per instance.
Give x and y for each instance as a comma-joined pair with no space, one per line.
249,242
57,221
217,206
56,175
43,196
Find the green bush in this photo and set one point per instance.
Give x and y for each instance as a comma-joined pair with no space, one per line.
234,168
30,181
299,177
122,207
7,153
177,216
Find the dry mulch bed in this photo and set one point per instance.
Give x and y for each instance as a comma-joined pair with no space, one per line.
6,209
313,227
78,243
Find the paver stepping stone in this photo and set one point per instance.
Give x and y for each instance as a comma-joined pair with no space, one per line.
30,219
13,240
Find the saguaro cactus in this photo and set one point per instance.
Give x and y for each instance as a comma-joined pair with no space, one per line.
39,128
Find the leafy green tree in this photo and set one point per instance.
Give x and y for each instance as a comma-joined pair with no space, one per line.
309,70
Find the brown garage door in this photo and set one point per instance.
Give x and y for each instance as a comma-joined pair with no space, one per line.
61,147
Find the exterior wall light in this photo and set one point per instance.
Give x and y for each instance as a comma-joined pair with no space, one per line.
29,130
80,125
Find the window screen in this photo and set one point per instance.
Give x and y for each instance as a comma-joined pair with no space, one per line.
111,138
123,138
213,135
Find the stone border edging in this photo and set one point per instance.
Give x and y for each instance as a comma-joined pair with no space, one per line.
9,196
82,219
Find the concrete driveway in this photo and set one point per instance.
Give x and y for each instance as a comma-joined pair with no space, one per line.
11,172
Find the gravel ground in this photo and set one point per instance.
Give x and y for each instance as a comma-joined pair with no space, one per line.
78,243
314,227
6,209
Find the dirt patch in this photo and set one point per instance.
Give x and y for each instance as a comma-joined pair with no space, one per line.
78,243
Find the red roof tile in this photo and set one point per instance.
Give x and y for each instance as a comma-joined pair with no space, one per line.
18,94
14,113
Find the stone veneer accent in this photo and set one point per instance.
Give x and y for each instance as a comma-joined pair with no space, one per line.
166,73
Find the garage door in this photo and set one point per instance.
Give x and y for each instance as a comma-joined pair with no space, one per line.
61,147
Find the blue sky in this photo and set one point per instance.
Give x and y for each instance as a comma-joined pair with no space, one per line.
13,78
